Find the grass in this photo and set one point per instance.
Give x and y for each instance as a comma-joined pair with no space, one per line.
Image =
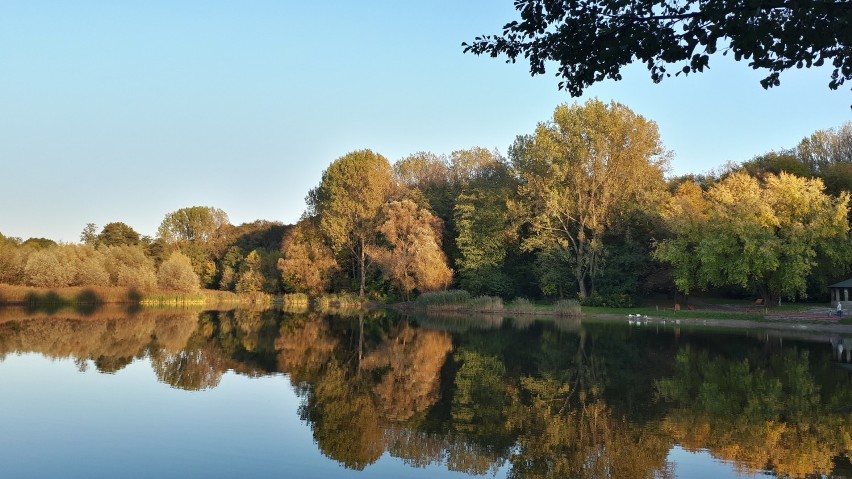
452,297
668,313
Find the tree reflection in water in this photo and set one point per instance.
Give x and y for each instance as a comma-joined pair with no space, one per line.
543,400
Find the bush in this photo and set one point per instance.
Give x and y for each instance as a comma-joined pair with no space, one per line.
610,300
43,269
176,274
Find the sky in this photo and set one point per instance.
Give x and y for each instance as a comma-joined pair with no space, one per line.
127,111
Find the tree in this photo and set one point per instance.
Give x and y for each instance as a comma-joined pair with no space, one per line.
414,259
347,203
481,219
766,235
199,232
176,274
578,170
308,262
824,148
592,39
196,223
116,234
89,234
230,265
249,277
45,268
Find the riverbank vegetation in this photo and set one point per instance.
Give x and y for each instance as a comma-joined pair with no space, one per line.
580,209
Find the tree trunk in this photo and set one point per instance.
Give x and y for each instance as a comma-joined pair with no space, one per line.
581,282
363,261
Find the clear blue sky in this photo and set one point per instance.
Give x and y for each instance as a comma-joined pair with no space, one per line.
126,111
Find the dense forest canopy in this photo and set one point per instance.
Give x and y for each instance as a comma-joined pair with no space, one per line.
579,208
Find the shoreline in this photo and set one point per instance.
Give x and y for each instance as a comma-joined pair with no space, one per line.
794,325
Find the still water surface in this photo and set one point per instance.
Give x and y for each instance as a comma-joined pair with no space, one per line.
274,394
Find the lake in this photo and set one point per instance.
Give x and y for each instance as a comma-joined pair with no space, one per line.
115,393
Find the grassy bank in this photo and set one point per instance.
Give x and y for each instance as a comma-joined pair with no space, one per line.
74,296
460,301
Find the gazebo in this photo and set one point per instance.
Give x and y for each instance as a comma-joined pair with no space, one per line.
840,292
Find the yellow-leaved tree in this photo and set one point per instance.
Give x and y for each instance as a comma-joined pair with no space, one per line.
580,169
765,234
413,258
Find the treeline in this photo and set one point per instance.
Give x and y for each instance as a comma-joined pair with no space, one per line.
581,207
195,247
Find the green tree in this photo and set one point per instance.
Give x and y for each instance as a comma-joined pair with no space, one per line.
39,243
483,228
347,203
230,265
592,40
249,276
777,161
766,235
578,170
116,234
414,259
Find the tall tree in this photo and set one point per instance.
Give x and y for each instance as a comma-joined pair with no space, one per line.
766,235
347,202
199,232
578,170
481,217
592,39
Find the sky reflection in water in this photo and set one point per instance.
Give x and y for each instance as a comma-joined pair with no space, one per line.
65,418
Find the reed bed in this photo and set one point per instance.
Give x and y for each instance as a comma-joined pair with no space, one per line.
485,304
341,303
295,299
567,307
522,306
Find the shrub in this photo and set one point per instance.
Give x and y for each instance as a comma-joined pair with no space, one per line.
610,300
142,278
176,274
44,269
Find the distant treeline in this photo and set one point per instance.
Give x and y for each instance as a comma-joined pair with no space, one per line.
580,207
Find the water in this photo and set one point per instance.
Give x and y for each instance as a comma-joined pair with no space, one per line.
273,394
